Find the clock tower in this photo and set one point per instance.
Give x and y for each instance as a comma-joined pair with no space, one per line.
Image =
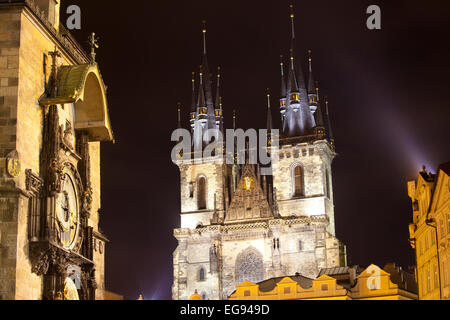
54,115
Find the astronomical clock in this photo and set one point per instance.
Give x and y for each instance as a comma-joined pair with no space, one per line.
63,239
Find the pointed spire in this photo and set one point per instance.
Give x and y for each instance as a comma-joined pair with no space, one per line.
283,78
207,82
299,80
311,89
53,76
292,79
218,89
269,111
179,114
291,6
193,105
234,119
204,36
201,93
330,132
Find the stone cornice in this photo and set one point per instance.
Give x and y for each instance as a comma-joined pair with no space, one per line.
261,225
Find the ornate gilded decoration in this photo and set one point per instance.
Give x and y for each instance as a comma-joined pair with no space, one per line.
248,183
70,290
13,164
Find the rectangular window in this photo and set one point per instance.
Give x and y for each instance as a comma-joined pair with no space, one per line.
298,180
247,293
325,287
436,277
287,290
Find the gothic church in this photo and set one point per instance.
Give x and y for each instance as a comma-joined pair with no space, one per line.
237,224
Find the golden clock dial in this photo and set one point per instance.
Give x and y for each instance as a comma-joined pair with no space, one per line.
67,212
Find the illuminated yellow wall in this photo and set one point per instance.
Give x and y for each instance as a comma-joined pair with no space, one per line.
372,284
423,238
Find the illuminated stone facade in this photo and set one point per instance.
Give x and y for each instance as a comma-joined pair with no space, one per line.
430,232
237,224
49,157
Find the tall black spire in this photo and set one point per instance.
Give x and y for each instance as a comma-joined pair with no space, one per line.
319,112
218,103
193,104
311,88
179,114
297,118
269,111
201,102
329,131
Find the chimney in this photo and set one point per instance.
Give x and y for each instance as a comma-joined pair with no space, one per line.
51,9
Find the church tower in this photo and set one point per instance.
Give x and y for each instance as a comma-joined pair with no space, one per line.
237,224
53,117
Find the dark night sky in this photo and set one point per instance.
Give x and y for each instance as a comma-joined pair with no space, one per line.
388,93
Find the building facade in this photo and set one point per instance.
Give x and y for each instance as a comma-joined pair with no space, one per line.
355,283
429,232
240,225
53,117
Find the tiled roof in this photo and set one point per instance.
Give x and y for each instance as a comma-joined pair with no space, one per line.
270,284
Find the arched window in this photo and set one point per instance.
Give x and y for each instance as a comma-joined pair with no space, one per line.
327,183
298,181
201,274
201,197
249,266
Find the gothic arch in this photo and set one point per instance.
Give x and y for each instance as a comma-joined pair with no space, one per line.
202,192
249,266
83,87
298,179
201,274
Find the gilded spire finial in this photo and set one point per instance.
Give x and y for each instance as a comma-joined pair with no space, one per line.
291,6
204,35
179,114
268,97
93,42
317,91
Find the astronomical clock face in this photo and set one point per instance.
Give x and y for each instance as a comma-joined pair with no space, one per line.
67,213
248,183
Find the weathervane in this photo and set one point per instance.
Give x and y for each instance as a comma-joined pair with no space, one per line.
93,42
